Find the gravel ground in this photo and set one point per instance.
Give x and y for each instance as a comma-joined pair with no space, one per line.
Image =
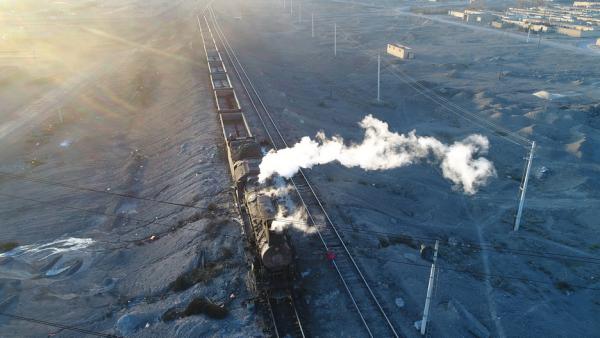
127,112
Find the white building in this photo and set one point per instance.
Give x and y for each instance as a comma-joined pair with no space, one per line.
578,31
586,4
400,51
457,14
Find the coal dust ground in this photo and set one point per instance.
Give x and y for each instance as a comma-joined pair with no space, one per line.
106,100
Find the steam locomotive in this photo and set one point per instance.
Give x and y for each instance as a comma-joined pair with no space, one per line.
273,265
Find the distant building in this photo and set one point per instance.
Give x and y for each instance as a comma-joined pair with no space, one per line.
457,14
477,16
496,24
539,28
400,51
578,31
587,4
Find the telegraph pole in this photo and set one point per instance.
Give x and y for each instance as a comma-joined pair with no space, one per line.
524,188
334,39
378,76
312,25
528,33
429,290
291,7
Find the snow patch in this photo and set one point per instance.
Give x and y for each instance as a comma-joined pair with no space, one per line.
42,251
542,94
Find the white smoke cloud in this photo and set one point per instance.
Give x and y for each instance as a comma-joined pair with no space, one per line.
382,149
289,215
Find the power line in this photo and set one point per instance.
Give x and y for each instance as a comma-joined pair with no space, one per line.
112,215
61,326
342,228
521,252
452,107
433,239
75,187
449,104
472,272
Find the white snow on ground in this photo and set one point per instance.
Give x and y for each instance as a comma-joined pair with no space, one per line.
542,94
41,251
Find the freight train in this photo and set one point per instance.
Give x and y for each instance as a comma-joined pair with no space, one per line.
273,263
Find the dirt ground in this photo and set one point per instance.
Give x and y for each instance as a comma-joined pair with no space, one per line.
111,99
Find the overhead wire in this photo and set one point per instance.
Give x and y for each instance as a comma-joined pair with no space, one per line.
346,229
125,217
477,273
99,191
445,103
58,325
521,252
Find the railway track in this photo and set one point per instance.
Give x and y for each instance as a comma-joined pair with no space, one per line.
285,317
368,308
286,320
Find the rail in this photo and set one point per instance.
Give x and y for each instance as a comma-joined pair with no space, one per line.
286,319
371,312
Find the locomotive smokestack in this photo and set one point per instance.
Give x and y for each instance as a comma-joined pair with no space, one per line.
382,149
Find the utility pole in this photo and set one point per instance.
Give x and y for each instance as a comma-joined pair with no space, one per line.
300,13
60,115
523,188
540,39
283,4
334,39
429,290
528,33
312,25
291,7
378,76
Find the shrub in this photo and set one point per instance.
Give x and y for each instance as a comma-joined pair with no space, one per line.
8,246
202,305
564,286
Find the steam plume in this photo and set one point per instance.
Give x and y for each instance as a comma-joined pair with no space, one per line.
289,215
382,149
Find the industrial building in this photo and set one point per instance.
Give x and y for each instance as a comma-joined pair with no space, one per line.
581,20
578,31
457,14
475,16
586,4
401,51
496,24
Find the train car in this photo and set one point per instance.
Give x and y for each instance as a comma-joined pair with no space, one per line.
226,101
220,81
243,152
